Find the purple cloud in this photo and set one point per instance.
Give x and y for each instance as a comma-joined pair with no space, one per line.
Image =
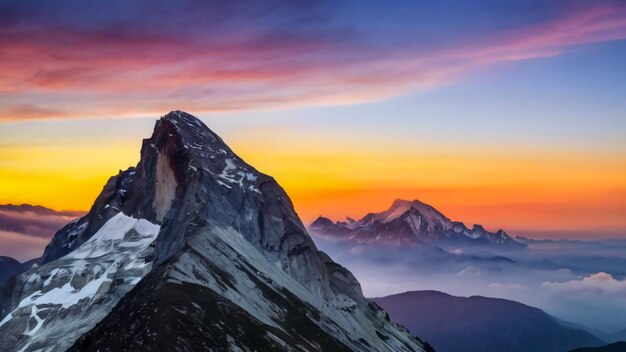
36,221
204,56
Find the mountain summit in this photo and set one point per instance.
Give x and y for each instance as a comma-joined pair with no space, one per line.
409,222
191,250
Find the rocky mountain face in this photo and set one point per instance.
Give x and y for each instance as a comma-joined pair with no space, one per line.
482,324
409,223
192,249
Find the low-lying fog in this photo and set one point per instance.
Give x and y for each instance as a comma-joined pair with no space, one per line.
580,282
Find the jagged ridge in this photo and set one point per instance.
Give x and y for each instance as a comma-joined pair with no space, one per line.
409,222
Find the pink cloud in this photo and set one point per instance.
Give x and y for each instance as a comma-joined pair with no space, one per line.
21,247
597,24
61,73
598,284
25,229
34,221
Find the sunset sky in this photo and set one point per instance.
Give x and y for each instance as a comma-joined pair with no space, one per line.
507,113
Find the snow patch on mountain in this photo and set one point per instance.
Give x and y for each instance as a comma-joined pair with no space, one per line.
118,233
234,174
401,206
102,269
405,223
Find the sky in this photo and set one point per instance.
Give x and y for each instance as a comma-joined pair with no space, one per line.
511,113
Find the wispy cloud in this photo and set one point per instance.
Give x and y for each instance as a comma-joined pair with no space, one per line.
73,61
34,221
26,229
20,247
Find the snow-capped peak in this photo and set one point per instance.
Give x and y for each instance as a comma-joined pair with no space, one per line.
401,206
90,279
407,222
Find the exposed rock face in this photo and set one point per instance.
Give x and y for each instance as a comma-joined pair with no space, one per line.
206,252
77,232
408,222
51,305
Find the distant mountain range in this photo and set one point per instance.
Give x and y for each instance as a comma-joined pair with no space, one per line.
481,324
409,223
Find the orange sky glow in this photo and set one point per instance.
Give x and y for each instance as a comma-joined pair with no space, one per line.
516,124
522,192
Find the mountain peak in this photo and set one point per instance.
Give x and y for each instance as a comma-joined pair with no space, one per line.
405,202
187,132
322,220
408,221
192,228
400,206
183,151
183,120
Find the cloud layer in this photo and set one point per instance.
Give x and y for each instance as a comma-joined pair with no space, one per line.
36,221
26,229
578,281
597,285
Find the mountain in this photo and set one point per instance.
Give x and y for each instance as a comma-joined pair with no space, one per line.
481,324
617,336
193,249
614,347
10,267
409,222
